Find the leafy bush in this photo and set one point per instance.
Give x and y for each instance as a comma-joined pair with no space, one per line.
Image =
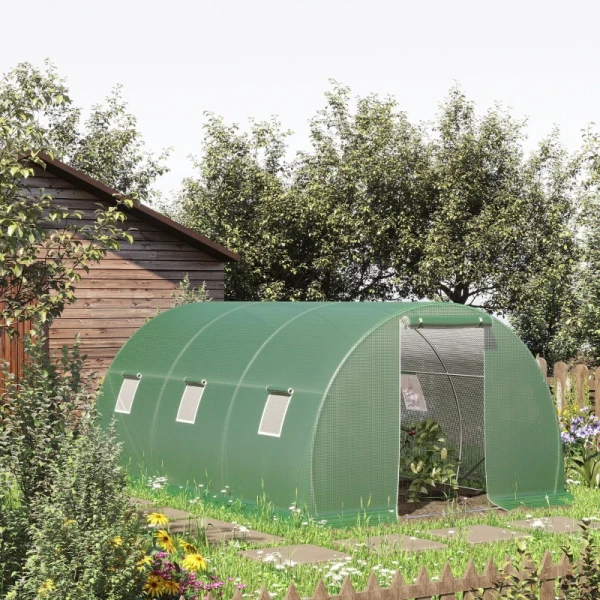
426,457
583,582
13,532
86,538
188,295
65,526
581,441
37,412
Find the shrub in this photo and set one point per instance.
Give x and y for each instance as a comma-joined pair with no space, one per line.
86,538
65,525
583,582
188,295
581,440
426,458
37,412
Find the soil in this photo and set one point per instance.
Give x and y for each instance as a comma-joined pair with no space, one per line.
442,501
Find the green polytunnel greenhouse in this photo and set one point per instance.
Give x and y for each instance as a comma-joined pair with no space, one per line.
305,402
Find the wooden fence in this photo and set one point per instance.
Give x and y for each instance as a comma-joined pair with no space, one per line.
583,381
445,588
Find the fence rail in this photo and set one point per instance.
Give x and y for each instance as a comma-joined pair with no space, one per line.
446,588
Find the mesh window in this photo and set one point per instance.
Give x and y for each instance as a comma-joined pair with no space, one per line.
273,415
412,393
190,401
127,394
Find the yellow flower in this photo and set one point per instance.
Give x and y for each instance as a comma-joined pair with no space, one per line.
117,541
145,560
188,548
154,586
194,562
157,519
46,587
170,586
164,540
69,522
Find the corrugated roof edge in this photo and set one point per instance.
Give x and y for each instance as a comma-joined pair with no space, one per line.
107,194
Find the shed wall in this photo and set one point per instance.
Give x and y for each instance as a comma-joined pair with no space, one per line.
117,296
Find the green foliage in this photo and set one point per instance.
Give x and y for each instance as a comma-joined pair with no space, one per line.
497,222
583,582
561,321
13,531
41,249
185,294
108,146
585,464
64,519
37,414
381,207
519,580
86,539
426,458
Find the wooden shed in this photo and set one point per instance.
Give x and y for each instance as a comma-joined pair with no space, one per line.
119,294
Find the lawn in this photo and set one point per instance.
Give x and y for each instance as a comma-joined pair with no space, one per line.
297,528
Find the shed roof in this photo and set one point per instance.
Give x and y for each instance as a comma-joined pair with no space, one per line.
144,213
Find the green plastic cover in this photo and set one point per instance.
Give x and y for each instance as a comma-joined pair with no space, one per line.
302,401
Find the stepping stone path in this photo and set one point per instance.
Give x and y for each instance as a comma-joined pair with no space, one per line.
394,543
222,531
295,555
182,521
480,534
553,525
141,502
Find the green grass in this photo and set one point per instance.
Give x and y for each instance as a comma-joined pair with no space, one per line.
297,529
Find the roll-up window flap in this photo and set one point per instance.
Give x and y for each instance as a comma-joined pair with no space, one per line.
433,321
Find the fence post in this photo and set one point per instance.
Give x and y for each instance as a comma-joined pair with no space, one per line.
597,391
580,377
560,381
543,365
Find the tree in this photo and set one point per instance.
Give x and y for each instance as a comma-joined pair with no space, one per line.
316,228
545,322
381,208
496,223
41,249
584,317
107,146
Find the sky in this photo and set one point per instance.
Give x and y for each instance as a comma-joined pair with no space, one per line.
256,58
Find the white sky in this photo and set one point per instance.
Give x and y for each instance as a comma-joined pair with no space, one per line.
256,58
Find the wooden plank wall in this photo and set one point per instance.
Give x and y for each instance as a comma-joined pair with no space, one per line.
117,296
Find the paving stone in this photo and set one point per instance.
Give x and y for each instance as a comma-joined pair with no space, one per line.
553,524
173,514
480,534
394,543
222,531
140,502
292,555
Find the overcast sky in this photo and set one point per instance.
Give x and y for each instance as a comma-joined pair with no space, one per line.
257,58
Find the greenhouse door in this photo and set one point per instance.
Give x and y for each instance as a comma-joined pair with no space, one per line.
442,378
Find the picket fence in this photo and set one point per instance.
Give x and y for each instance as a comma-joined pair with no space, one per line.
584,382
447,587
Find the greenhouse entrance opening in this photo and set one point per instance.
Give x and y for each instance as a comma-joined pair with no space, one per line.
442,379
